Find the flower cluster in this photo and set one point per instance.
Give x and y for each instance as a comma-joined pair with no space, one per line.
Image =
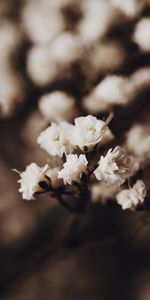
78,152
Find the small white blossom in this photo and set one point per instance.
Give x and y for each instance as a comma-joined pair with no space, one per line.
88,131
54,140
73,168
29,180
130,198
141,34
114,167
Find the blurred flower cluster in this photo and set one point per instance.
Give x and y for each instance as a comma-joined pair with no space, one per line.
78,147
74,123
60,60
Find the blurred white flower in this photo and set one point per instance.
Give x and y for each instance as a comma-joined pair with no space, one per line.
129,7
57,106
130,198
98,18
54,140
114,167
46,62
141,34
12,91
41,65
42,21
29,180
10,37
88,132
112,90
66,48
138,141
73,168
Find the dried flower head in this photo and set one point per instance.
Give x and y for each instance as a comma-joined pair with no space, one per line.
73,168
29,180
54,140
88,132
114,167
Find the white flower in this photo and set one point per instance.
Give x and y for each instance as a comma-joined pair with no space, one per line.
73,168
98,17
114,167
41,65
66,48
42,21
130,198
57,106
47,62
10,37
141,79
54,140
88,132
141,34
114,90
13,95
29,180
138,141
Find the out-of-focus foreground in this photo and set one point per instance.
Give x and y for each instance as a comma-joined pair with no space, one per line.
60,59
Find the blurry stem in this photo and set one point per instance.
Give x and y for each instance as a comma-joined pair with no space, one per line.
82,198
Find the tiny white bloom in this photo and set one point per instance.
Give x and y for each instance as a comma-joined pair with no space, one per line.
141,34
54,140
88,132
29,180
130,198
114,167
73,168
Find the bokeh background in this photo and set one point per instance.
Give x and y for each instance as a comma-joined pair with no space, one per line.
72,46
